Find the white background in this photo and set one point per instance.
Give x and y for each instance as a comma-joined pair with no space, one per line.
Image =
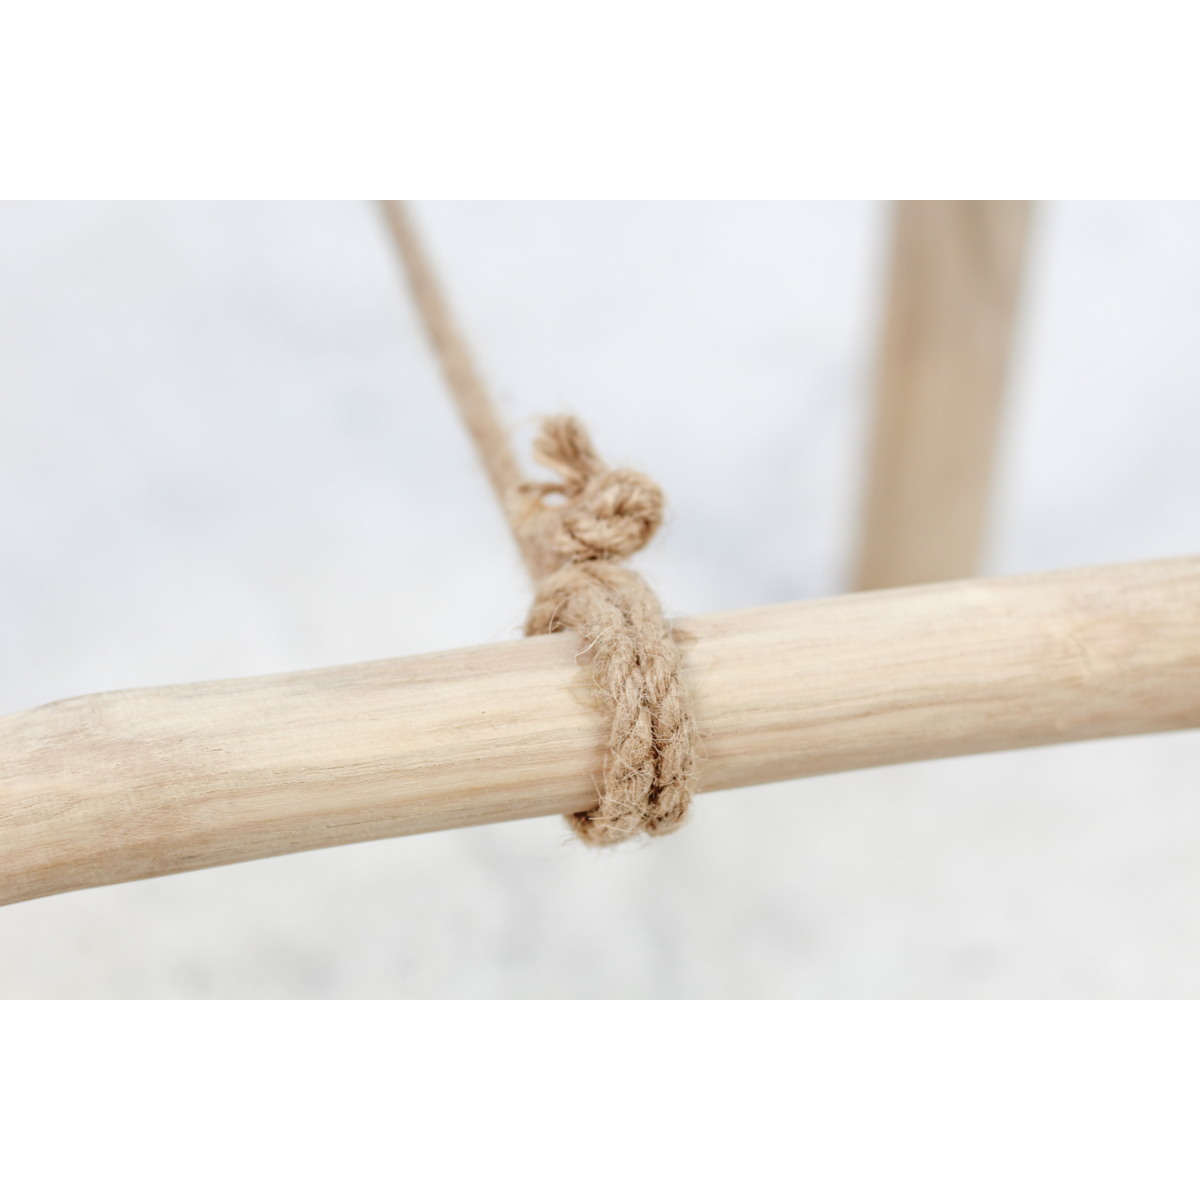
224,450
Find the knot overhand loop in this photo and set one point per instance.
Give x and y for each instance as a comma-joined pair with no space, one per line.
606,515
573,548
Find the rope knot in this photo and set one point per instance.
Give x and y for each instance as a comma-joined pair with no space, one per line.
605,514
614,516
575,547
572,549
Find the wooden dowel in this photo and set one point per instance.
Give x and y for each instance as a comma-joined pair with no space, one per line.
132,784
952,295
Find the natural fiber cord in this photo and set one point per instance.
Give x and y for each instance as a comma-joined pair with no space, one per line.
573,550
606,516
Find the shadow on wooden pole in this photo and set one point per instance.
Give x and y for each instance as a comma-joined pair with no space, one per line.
955,275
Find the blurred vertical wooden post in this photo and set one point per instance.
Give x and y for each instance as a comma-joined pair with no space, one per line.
952,295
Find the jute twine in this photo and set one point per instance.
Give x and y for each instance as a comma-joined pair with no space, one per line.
573,550
607,515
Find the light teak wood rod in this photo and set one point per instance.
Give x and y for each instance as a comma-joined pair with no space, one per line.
132,784
951,301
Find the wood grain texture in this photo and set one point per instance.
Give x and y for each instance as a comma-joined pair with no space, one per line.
132,784
951,302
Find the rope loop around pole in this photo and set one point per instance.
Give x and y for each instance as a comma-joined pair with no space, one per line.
604,515
573,550
607,515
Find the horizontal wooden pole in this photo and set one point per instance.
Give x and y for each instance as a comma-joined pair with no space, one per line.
132,784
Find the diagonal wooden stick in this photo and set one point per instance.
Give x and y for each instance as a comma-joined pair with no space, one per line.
133,784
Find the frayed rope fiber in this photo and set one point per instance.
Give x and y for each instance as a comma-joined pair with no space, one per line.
605,516
573,550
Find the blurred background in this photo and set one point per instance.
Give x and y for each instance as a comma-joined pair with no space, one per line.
225,450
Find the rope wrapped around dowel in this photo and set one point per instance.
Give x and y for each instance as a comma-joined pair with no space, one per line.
607,515
573,550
